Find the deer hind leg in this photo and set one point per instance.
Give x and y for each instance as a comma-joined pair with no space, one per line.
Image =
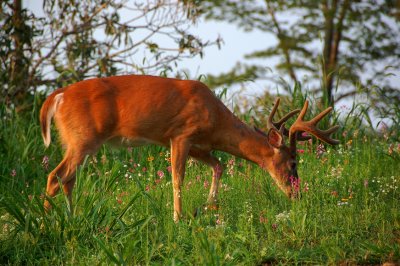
215,164
65,171
179,153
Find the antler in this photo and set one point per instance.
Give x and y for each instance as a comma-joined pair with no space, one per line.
280,125
311,127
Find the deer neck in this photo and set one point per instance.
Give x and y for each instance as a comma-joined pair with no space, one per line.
244,142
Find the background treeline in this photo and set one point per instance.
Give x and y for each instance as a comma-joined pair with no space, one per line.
336,49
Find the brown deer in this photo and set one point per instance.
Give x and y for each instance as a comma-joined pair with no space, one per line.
182,114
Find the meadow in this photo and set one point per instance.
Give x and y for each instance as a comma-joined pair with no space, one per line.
348,213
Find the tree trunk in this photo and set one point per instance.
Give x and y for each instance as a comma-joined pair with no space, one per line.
18,71
329,14
333,36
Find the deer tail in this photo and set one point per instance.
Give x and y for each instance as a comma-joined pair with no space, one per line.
47,112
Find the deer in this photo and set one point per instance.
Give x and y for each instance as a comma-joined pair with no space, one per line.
184,115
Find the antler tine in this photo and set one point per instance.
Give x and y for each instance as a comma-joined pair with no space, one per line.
270,122
285,118
327,133
303,111
311,127
321,115
280,125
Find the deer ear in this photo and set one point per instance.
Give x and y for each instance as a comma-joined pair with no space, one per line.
275,138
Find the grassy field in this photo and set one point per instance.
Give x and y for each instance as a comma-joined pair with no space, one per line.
349,211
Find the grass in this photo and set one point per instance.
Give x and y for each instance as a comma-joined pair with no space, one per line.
349,212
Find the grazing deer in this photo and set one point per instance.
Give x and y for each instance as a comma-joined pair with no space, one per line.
182,114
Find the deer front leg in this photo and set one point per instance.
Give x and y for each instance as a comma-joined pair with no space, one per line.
215,164
179,153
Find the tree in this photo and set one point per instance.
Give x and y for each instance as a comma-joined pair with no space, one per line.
79,39
338,42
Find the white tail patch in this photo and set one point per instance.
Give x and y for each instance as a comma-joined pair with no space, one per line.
58,99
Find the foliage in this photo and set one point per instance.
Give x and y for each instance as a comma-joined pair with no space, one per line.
335,44
348,213
74,40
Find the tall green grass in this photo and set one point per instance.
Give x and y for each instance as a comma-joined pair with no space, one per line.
349,211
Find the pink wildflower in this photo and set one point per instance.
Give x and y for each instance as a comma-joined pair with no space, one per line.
295,183
320,150
13,173
206,184
160,174
45,162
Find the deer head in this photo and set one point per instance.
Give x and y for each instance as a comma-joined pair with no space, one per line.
283,162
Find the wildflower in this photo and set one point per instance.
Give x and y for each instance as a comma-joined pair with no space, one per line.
306,188
188,185
144,169
263,219
147,187
103,159
341,203
295,183
160,174
13,173
198,178
349,143
206,183
282,217
150,158
320,150
169,169
334,193
305,134
274,226
45,162
391,149
301,151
